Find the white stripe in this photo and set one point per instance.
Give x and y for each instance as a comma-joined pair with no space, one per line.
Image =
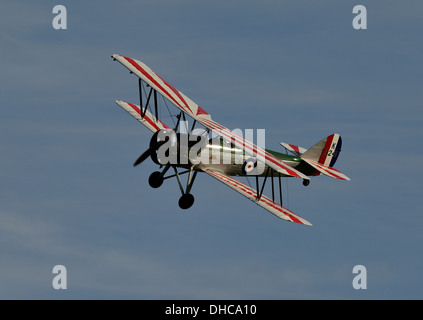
331,150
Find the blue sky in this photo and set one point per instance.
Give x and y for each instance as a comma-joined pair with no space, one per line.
69,194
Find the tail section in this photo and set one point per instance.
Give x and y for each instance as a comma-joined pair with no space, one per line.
326,151
320,158
329,171
298,151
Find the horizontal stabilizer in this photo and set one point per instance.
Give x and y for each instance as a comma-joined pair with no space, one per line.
329,171
298,151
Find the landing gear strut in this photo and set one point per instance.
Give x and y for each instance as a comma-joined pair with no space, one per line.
187,199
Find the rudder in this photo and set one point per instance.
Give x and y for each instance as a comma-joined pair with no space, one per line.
326,151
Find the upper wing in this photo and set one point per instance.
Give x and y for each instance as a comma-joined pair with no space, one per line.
250,193
192,109
149,120
165,89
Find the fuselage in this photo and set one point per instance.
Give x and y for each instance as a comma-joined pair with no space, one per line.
222,156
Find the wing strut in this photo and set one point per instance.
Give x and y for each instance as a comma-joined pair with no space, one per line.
140,93
193,125
146,104
262,186
272,173
144,108
177,122
155,104
280,189
250,193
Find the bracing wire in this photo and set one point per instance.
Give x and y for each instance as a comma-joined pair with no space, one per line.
167,107
248,180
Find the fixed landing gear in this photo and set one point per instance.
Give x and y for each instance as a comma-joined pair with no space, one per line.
306,182
156,179
186,201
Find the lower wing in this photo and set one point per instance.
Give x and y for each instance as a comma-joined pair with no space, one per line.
149,120
251,194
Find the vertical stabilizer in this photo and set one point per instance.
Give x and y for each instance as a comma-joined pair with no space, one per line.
326,151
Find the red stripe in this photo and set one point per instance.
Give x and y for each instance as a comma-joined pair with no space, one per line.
178,94
200,111
151,122
325,150
295,148
264,199
231,135
329,171
138,67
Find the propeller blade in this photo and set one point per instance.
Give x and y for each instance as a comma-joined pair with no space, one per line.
142,157
151,151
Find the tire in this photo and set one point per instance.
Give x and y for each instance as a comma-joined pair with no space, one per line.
186,201
155,180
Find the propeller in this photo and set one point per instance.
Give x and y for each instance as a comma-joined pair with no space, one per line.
152,150
142,157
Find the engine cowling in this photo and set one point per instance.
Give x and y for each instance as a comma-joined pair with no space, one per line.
163,146
166,146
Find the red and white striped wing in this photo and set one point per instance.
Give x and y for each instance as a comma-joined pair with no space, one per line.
193,110
160,85
149,120
329,171
251,194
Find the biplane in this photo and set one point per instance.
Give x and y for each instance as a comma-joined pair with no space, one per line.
185,151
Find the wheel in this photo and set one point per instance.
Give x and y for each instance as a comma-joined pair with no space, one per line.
186,201
306,182
156,179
